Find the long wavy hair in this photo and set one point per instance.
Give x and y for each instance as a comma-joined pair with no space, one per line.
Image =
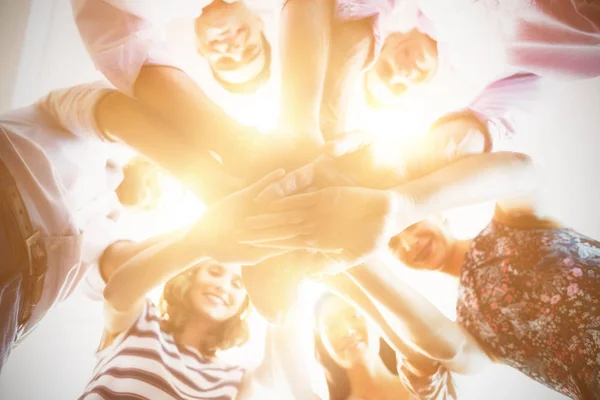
176,311
338,383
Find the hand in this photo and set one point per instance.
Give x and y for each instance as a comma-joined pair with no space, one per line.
221,225
449,139
348,223
341,156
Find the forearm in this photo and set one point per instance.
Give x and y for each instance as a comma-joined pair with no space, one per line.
471,180
305,44
150,268
122,118
419,322
346,287
351,42
176,98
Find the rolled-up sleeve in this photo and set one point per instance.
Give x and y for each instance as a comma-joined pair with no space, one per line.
496,105
74,108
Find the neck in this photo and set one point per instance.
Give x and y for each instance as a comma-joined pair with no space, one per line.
454,263
368,379
194,333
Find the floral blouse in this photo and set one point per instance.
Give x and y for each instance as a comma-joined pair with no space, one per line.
532,299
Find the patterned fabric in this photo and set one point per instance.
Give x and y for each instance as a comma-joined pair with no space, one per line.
532,299
145,363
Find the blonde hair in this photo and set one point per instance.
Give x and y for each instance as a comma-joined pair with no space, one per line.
176,310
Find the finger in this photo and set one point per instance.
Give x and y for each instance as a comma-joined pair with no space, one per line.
251,255
348,143
299,243
274,234
292,183
285,218
257,187
296,202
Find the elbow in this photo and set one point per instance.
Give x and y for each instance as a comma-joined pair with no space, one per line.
113,299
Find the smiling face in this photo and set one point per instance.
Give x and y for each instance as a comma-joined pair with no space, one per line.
406,60
231,37
217,292
345,333
424,245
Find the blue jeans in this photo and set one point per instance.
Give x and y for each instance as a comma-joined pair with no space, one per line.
11,278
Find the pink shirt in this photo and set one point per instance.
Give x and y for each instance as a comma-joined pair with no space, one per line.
66,172
124,35
546,37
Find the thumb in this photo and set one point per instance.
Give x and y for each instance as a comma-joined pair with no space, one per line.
348,142
293,183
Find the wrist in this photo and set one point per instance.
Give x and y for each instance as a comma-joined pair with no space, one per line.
410,204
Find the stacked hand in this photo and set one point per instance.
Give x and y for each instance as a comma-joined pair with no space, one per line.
349,223
222,226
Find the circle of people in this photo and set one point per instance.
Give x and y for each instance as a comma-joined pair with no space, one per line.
311,203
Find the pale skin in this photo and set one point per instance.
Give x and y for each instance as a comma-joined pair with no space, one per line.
354,345
306,220
131,270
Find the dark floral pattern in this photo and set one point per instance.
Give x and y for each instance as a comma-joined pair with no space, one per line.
532,299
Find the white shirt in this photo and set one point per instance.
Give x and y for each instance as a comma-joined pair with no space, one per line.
66,172
124,35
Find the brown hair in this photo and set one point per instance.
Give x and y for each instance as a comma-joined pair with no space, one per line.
175,310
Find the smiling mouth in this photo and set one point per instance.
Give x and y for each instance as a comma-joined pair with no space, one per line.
216,299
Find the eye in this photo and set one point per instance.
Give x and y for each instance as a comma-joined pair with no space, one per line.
237,283
215,270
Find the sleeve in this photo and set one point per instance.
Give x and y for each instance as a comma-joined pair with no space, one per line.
436,384
559,39
496,105
74,108
160,11
149,315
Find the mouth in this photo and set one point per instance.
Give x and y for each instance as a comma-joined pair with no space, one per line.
352,343
215,299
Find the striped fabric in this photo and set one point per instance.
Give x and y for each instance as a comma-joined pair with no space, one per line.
145,363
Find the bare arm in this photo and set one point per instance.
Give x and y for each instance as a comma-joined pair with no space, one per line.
305,43
125,119
420,323
351,42
471,180
176,98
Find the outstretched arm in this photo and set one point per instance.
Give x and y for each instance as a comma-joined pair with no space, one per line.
213,236
101,113
176,98
420,323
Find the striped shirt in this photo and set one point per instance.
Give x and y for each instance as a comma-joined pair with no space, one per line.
144,362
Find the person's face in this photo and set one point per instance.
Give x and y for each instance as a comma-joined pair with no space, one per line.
406,60
424,245
140,188
229,36
346,334
217,291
